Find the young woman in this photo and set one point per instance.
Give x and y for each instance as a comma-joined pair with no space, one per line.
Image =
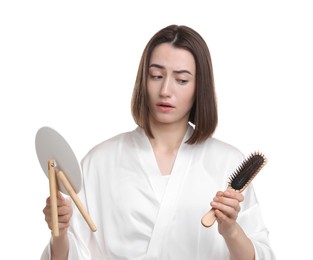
148,189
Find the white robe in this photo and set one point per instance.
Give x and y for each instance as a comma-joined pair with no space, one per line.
141,215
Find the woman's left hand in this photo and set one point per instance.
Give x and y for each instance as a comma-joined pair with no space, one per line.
226,206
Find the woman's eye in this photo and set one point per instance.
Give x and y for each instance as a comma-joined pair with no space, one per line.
155,76
182,81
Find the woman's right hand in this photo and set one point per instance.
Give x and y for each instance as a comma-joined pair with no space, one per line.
65,212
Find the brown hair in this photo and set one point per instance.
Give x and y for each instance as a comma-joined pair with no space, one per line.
203,113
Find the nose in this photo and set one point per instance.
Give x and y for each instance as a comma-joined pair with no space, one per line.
165,90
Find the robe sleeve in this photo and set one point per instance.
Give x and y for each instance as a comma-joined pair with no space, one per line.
76,250
250,219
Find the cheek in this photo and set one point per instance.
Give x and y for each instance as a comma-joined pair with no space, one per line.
190,100
150,88
189,97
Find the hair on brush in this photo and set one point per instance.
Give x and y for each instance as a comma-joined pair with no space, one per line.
240,180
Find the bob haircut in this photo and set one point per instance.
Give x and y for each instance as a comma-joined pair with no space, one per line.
203,114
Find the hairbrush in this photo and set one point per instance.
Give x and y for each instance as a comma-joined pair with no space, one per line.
240,180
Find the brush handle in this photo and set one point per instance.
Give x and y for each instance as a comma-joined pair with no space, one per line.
53,198
76,200
208,219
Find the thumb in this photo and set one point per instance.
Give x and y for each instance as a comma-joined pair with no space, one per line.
60,196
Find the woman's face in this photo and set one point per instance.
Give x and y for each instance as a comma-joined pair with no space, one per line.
171,84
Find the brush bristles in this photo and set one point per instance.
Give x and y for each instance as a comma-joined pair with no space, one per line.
246,171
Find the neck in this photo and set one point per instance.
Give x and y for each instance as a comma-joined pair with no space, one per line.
168,136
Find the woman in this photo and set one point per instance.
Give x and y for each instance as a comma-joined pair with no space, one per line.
148,189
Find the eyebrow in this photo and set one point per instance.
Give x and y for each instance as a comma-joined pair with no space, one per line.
175,71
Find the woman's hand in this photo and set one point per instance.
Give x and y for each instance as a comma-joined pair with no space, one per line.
65,212
226,208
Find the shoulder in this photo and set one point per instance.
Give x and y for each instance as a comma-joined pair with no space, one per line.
220,154
109,147
217,145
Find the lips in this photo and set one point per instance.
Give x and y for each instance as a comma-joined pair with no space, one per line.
165,105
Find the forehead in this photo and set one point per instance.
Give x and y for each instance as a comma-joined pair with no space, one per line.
171,57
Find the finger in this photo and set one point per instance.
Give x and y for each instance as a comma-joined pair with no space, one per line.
230,194
46,209
225,209
64,219
234,195
219,194
60,199
222,218
230,202
62,225
62,211
60,196
63,206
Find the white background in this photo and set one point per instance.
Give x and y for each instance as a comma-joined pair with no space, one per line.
72,65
